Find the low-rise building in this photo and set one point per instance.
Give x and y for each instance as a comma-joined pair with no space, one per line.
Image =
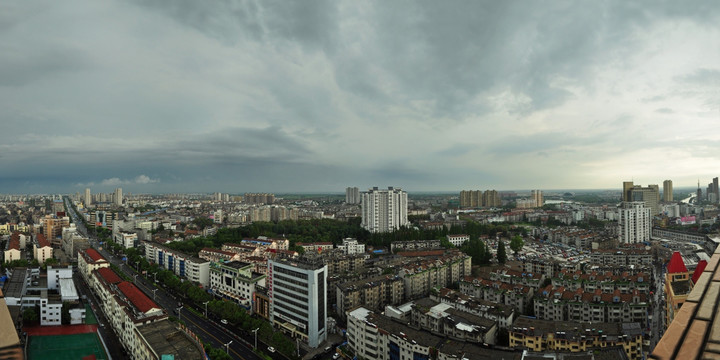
372,293
42,249
502,314
575,337
12,249
316,247
515,295
351,246
561,304
183,265
415,245
458,240
216,255
235,280
422,274
89,260
444,320
126,239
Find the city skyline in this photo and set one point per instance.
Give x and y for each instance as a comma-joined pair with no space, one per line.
317,96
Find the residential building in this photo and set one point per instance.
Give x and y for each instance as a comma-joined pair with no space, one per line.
50,309
235,280
560,336
53,227
491,199
352,195
54,274
562,304
316,247
259,198
471,198
372,293
118,197
396,246
667,191
501,314
458,240
515,295
444,320
425,273
126,239
384,210
634,222
298,303
42,249
183,265
12,248
90,260
216,255
537,197
351,246
87,200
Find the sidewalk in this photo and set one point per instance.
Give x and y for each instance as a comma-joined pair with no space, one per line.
332,339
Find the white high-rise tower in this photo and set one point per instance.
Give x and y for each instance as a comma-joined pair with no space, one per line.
384,210
634,222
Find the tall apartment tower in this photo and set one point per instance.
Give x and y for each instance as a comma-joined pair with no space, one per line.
491,198
634,222
352,195
88,198
118,198
384,210
297,293
537,196
667,191
650,195
471,198
716,191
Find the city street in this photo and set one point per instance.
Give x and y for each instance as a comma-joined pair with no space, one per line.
206,330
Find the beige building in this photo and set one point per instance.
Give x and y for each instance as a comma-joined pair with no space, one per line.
42,249
667,191
90,260
372,293
491,198
650,195
12,252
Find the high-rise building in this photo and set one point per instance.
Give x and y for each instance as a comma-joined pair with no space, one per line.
537,196
634,222
491,198
650,195
258,199
118,198
471,198
716,191
352,195
297,292
88,198
667,191
384,210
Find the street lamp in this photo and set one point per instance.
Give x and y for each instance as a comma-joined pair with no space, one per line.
179,316
227,347
205,303
135,278
255,331
154,290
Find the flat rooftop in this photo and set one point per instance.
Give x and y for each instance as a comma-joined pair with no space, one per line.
15,285
166,339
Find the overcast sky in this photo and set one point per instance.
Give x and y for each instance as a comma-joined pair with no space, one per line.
236,96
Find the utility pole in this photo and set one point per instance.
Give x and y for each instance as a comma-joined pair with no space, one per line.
227,347
255,331
154,290
205,303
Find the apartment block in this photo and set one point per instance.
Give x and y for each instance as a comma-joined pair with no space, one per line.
372,293
183,265
384,210
560,304
90,260
316,247
351,246
444,320
458,240
423,274
576,337
517,296
501,314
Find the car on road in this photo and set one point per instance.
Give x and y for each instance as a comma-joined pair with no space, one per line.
271,349
223,321
336,356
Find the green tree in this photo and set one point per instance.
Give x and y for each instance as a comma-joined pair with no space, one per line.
501,254
516,243
30,316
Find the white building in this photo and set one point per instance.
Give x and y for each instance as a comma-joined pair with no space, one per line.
352,195
384,210
88,199
54,274
50,310
458,240
127,240
89,260
42,250
235,280
351,246
298,304
118,197
634,222
183,265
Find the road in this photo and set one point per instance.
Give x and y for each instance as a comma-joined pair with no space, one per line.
205,329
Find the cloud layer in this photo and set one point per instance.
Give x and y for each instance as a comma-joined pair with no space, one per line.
239,96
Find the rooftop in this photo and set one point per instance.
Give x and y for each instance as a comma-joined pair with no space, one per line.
15,285
166,339
695,330
42,241
94,255
137,297
676,264
109,275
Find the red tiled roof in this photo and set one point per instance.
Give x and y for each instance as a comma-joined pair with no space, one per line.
14,241
94,255
42,241
699,270
137,297
109,275
676,264
421,253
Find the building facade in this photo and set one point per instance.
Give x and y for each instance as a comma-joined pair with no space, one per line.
352,195
384,210
183,265
634,222
667,191
298,303
235,280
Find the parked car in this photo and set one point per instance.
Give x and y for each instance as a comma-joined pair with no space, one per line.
271,349
223,321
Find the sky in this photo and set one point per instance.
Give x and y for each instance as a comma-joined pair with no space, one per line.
313,96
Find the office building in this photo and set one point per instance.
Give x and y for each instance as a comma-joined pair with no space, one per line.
650,195
88,198
384,210
235,280
634,222
298,303
352,195
118,197
667,191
